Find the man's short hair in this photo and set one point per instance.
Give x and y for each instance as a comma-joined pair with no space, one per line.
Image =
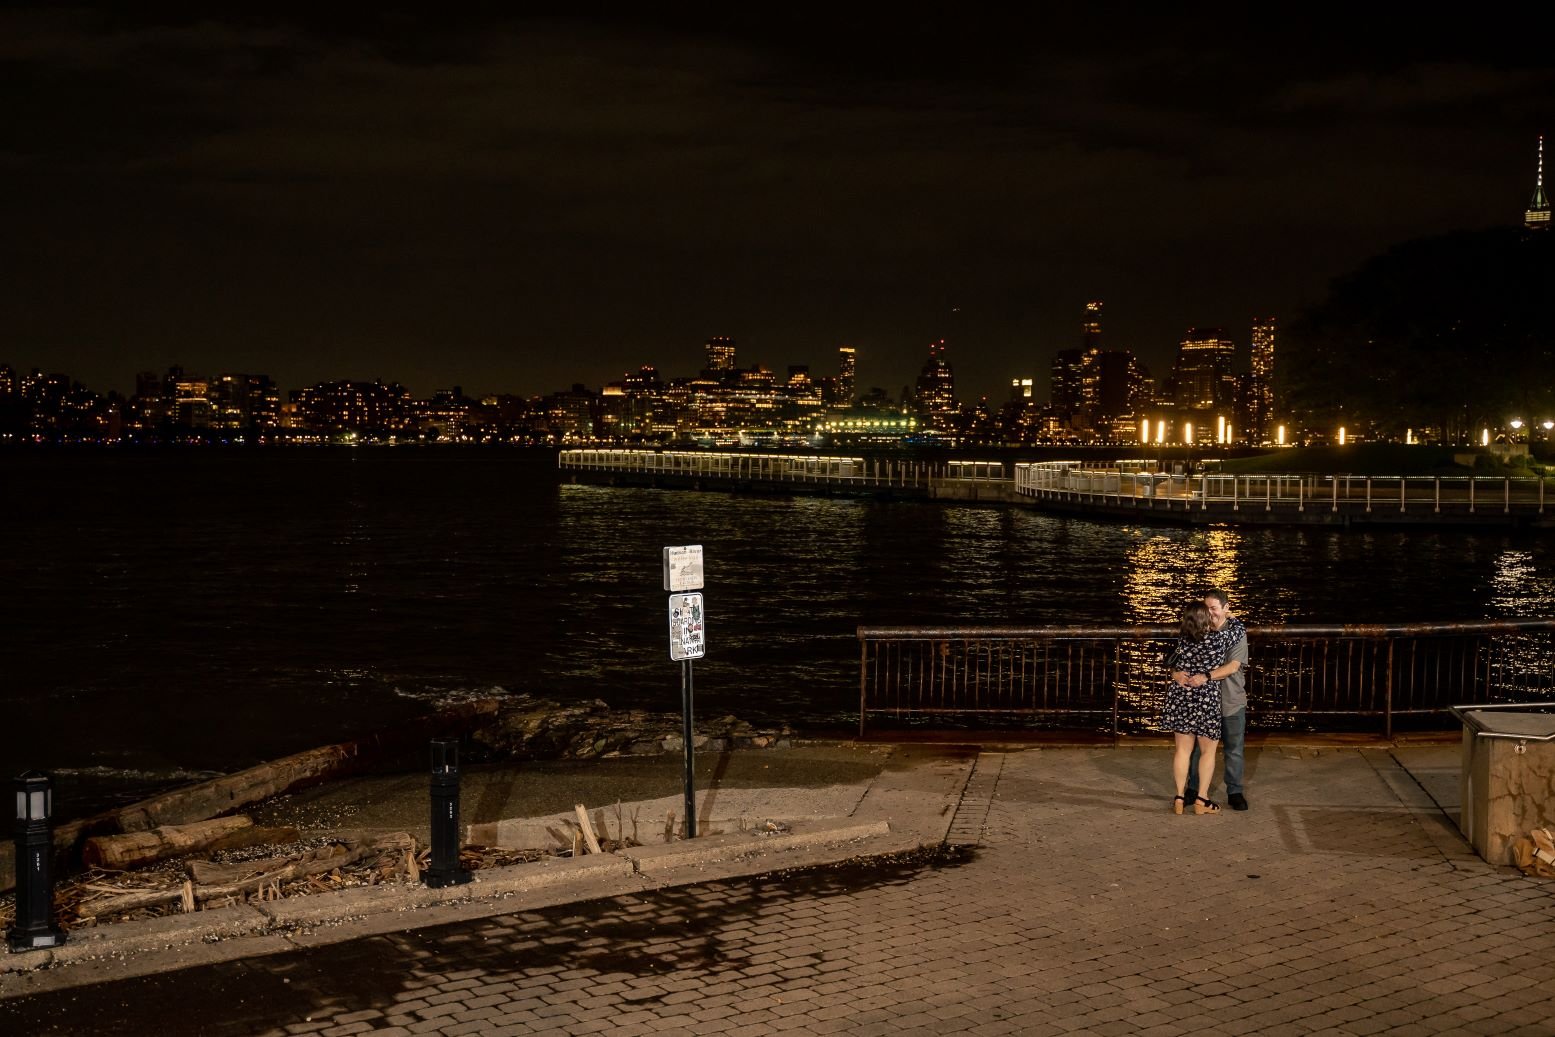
1219,595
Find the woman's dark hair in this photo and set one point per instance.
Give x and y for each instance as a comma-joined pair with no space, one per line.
1195,621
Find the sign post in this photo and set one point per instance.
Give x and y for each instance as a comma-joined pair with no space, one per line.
688,641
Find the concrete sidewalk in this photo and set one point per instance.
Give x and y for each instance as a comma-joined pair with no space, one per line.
1344,901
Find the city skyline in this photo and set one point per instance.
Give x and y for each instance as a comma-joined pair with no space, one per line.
515,205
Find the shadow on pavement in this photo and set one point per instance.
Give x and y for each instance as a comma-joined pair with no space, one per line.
573,948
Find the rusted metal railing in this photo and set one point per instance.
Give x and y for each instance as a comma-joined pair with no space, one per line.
1112,678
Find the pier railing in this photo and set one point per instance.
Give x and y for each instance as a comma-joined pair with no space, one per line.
859,472
1112,679
1287,492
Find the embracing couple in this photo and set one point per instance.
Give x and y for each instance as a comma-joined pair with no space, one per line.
1207,703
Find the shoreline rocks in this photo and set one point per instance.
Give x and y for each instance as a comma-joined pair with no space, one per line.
530,728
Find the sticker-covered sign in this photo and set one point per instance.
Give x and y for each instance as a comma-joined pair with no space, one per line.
683,568
688,627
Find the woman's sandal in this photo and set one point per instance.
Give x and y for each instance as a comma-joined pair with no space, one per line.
1205,806
1177,804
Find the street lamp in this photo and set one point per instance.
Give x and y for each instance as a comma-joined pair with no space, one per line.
34,928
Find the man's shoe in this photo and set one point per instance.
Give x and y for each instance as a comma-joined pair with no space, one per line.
1237,801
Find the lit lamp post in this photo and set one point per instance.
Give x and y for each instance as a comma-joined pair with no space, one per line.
1517,428
34,928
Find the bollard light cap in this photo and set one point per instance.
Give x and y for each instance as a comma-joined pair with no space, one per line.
445,755
34,796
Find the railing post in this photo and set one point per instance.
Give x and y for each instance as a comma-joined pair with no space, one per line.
1368,495
1507,510
1471,495
1117,682
863,683
1335,478
1438,495
1388,721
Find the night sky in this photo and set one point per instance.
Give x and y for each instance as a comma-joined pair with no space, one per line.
515,205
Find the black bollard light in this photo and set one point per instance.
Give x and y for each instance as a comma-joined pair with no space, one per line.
35,928
445,869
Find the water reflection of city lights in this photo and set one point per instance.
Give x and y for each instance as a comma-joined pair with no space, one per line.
1517,589
1165,571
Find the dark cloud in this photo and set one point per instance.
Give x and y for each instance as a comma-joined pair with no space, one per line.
518,204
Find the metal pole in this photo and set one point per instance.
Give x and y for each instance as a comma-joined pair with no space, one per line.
1389,732
690,775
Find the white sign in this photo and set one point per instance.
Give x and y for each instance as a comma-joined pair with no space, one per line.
683,568
688,627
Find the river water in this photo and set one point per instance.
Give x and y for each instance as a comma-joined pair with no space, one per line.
171,614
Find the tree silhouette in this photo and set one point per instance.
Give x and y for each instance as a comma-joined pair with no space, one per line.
1451,332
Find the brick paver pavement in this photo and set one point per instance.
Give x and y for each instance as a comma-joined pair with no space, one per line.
1338,904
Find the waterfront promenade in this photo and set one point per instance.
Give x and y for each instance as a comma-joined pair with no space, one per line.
1131,490
1343,902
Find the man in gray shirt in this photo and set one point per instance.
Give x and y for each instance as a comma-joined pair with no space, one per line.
1232,675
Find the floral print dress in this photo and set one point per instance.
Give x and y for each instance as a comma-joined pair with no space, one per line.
1196,711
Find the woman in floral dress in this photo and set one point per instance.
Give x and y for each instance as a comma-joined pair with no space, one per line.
1193,713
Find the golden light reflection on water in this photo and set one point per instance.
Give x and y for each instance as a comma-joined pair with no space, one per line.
1167,570
1516,589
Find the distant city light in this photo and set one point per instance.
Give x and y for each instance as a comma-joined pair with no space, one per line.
1484,437
1341,435
1280,436
1187,432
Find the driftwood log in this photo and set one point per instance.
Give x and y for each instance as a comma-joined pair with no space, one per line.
223,795
133,849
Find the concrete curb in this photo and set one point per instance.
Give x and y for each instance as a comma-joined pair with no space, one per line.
128,949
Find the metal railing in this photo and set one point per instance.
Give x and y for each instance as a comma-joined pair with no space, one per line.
1300,492
1112,678
859,472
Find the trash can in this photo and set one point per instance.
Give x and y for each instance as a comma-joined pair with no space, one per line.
1508,775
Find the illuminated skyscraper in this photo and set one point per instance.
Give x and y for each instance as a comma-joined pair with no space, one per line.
720,353
1068,382
1204,376
1537,216
847,368
936,388
1260,403
1092,325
